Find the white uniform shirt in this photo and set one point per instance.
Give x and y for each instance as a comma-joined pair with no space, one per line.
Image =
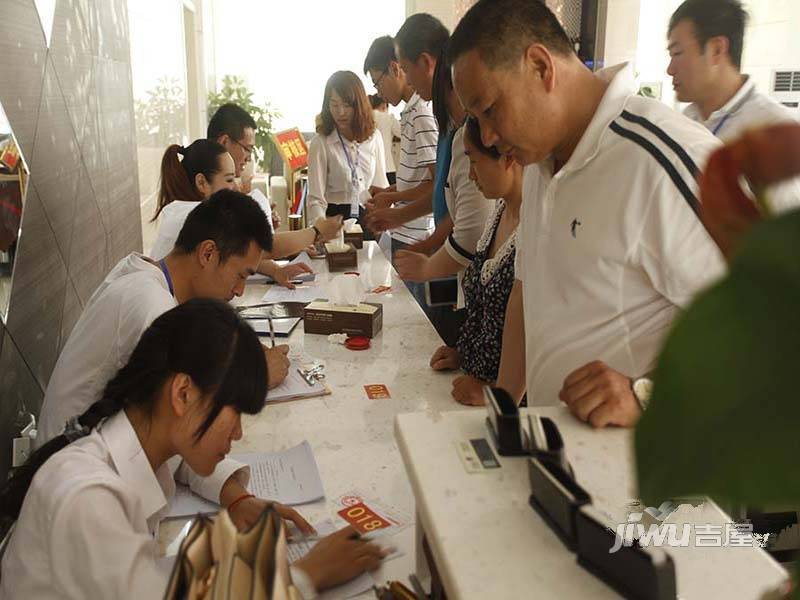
88,526
418,138
170,222
389,128
610,248
132,295
470,210
173,216
329,180
130,298
749,109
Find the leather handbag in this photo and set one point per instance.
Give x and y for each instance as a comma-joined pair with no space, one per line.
217,562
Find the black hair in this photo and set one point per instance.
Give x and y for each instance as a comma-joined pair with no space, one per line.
230,119
501,30
178,175
376,101
472,132
441,88
201,338
380,54
420,33
713,18
229,218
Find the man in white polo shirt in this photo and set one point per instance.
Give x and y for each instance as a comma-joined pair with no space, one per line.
609,246
705,44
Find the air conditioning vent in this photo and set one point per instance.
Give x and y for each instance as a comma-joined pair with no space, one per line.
786,81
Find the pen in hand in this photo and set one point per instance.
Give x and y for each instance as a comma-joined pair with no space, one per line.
271,332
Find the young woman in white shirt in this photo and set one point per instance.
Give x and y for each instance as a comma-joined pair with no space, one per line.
88,502
192,174
346,157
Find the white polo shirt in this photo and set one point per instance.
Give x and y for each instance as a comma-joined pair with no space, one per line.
329,180
749,109
470,210
418,138
611,247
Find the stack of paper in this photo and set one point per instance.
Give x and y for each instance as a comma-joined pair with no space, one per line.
295,386
288,477
305,293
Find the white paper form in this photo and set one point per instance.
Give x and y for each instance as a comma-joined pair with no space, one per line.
295,386
299,547
287,477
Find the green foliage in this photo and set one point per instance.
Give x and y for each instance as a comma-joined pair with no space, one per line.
725,412
162,117
235,90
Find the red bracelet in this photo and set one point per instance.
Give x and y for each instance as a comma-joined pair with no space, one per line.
239,499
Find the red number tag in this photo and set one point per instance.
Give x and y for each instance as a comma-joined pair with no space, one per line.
363,518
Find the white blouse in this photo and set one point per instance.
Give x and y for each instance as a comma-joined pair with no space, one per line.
329,180
87,528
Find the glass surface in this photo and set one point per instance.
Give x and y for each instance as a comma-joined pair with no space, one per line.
13,184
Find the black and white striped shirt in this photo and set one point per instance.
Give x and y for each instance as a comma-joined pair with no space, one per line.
418,138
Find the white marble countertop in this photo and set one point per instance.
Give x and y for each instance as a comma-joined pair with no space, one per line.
351,435
488,542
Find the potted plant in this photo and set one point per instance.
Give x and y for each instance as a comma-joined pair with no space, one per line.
234,89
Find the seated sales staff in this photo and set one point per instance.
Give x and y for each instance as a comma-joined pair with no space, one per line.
87,503
205,169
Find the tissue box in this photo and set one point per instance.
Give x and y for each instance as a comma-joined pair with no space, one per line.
354,236
341,261
324,317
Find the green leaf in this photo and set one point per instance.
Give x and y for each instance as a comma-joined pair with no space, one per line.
234,89
724,419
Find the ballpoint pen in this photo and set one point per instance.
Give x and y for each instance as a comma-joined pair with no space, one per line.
271,332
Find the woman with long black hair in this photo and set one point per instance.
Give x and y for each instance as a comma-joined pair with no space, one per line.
87,503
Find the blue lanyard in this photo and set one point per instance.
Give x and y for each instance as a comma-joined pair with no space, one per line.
353,173
163,264
720,124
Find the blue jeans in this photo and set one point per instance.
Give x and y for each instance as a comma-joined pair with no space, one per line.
445,319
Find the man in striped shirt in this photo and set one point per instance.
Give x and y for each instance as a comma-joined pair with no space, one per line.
415,170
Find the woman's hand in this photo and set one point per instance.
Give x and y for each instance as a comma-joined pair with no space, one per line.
446,358
246,512
339,558
411,266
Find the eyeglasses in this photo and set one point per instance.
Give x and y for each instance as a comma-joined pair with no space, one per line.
247,149
377,83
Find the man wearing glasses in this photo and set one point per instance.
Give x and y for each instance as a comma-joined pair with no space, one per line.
415,169
235,129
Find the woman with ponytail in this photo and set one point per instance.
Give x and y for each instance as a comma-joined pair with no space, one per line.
188,176
87,503
192,174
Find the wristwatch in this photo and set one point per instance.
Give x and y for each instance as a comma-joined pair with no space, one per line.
642,389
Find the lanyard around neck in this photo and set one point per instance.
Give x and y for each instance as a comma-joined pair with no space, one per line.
353,173
163,264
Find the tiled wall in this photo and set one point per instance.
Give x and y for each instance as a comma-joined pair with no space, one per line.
71,109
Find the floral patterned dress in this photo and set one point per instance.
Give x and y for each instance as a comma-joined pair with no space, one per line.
487,285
